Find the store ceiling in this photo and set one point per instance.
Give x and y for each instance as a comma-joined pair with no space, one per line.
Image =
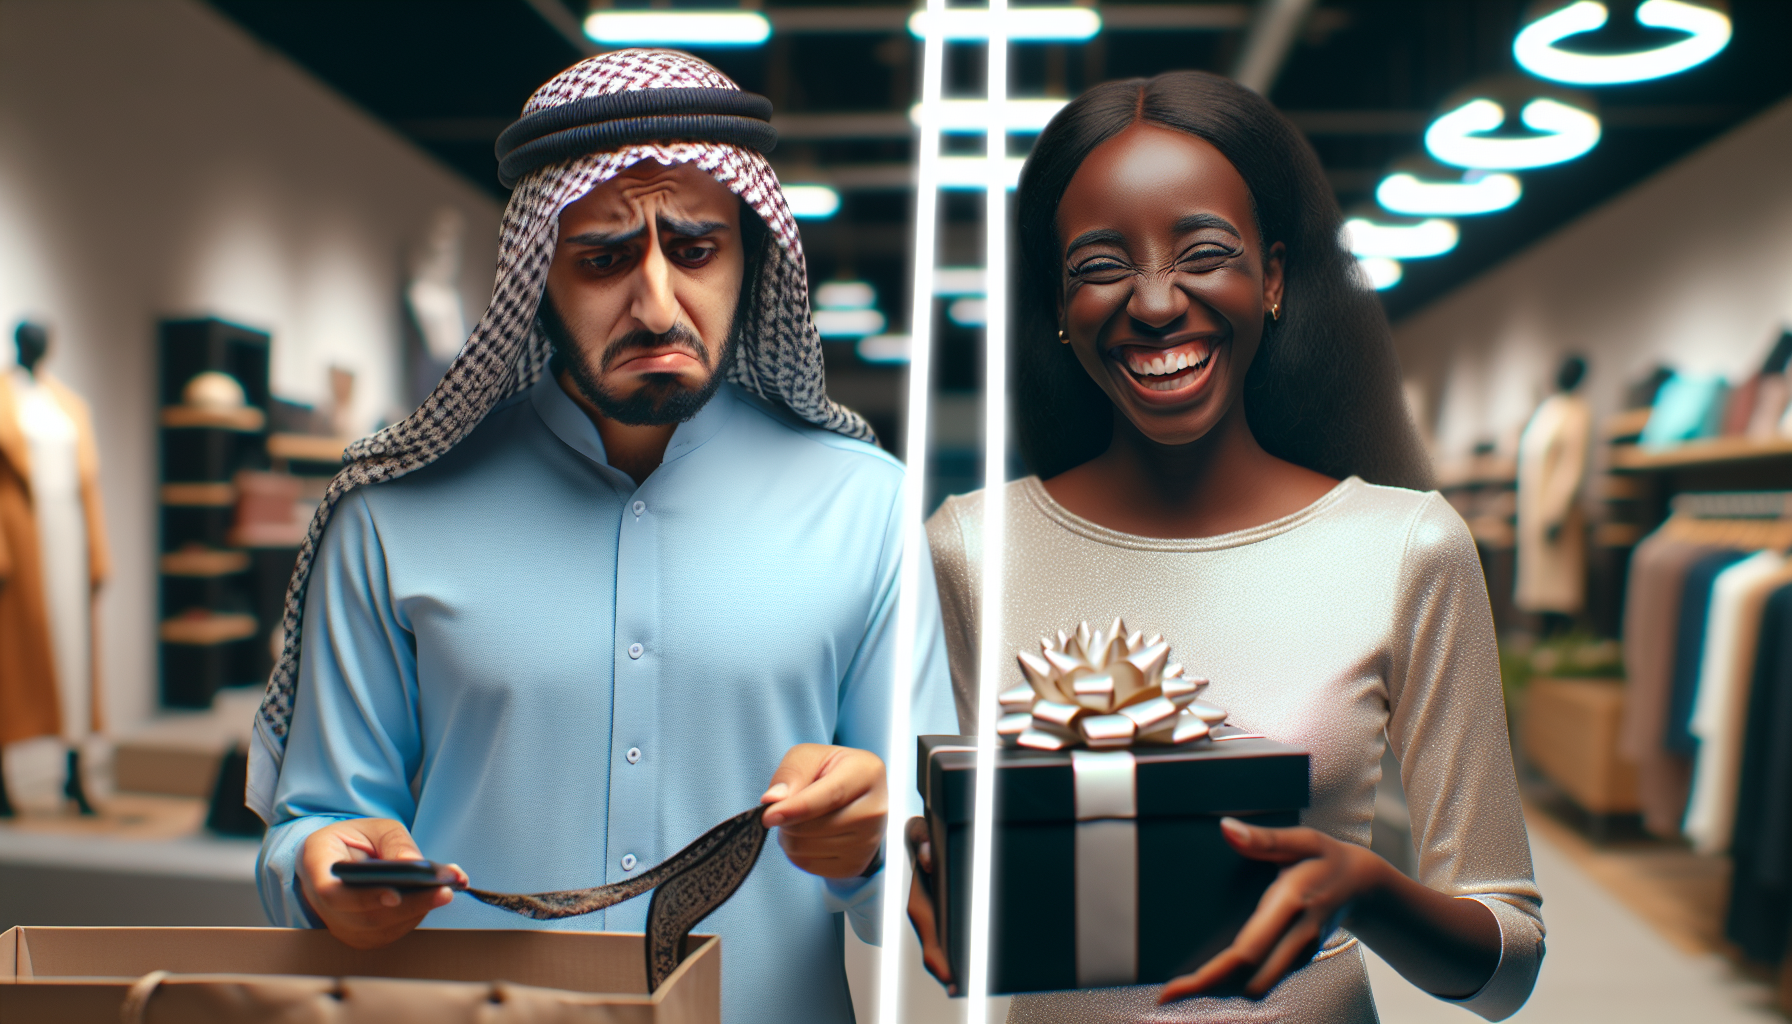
1363,78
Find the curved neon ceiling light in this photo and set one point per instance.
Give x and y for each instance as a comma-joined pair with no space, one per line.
1708,32
1565,133
1433,237
1403,192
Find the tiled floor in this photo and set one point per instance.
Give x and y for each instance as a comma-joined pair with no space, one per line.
1639,959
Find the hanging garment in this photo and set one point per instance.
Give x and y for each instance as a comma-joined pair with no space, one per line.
1688,407
1760,912
52,558
1552,460
1689,650
1658,569
1739,411
1730,640
53,441
1770,406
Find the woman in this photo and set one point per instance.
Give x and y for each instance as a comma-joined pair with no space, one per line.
1211,402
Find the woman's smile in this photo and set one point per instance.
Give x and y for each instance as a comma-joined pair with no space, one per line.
1174,371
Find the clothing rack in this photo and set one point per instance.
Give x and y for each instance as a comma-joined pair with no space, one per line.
1733,505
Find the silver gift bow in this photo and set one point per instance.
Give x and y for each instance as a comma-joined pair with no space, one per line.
1105,691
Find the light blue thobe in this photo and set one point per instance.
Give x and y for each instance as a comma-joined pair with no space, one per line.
557,678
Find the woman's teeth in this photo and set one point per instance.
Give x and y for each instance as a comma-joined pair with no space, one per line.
1165,363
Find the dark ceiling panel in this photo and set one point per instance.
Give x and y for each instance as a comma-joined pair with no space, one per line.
410,60
1363,80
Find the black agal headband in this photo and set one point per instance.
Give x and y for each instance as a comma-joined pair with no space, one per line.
598,124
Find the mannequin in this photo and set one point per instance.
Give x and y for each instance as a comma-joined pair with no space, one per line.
433,295
1552,460
52,560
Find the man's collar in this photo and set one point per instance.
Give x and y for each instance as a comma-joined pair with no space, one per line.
570,424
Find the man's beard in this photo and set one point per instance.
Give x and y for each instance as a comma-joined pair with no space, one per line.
662,398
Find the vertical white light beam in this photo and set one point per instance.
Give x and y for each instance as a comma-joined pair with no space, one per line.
995,520
901,750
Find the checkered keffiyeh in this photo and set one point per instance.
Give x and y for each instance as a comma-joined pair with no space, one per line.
778,356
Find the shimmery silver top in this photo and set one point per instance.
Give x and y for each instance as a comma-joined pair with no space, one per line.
1361,619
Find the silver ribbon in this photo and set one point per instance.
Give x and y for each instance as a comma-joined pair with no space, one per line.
1107,868
1105,690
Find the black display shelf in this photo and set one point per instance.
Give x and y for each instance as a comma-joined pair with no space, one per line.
214,630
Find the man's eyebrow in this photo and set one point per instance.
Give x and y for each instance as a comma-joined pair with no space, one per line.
598,238
688,228
1196,221
668,226
1096,237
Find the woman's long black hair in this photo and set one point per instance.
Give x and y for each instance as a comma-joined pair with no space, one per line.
1324,389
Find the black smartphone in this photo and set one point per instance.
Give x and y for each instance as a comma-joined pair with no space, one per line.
395,874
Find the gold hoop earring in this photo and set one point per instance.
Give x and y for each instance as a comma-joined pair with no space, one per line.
1275,311
1063,339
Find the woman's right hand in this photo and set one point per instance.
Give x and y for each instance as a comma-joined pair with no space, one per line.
920,904
365,918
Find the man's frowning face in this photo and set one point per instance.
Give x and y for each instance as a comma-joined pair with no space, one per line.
642,291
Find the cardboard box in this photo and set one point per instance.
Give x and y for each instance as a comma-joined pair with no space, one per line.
1137,892
1570,734
432,976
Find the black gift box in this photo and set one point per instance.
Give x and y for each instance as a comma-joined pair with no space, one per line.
1189,890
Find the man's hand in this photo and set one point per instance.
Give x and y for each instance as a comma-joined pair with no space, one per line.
365,918
828,805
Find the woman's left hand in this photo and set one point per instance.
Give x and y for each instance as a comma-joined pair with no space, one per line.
1322,878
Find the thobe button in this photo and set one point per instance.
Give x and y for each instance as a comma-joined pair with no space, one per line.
629,862
635,650
634,754
640,507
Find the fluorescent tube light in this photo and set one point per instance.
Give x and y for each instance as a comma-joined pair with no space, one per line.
1565,132
848,323
900,749
1708,32
677,28
999,177
885,348
970,312
845,295
967,172
812,202
972,116
1433,237
1060,24
949,281
1476,192
1380,272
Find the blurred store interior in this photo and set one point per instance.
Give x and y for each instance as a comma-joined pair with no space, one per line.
247,232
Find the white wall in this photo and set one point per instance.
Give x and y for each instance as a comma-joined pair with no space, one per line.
1691,268
157,161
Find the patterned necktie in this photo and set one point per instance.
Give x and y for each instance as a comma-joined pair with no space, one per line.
688,887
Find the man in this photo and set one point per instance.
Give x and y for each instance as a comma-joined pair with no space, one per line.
560,627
